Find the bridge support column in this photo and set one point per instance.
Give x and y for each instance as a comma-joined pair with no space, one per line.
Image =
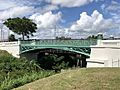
29,55
105,54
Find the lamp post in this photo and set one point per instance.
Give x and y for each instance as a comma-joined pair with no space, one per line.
55,31
1,30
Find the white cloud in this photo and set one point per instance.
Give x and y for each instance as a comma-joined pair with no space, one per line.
70,3
103,6
93,23
5,4
49,8
28,2
16,12
46,20
46,8
99,0
46,25
114,10
51,33
11,13
114,6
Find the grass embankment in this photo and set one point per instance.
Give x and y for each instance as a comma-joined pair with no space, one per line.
79,79
16,72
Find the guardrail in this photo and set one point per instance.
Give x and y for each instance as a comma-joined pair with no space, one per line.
60,42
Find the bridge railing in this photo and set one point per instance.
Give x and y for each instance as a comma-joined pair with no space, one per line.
109,43
9,43
71,42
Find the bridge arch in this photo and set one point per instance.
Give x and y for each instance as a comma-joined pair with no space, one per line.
70,49
39,53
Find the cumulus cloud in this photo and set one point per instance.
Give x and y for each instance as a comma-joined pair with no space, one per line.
93,23
16,12
70,3
51,33
46,24
46,8
114,6
45,34
114,10
5,4
99,0
28,2
49,8
46,20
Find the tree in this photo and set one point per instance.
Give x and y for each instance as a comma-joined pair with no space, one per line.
92,37
22,26
53,62
11,37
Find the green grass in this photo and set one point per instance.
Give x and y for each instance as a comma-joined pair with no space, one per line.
9,83
79,79
16,72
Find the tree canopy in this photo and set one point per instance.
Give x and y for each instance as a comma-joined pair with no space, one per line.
22,26
11,37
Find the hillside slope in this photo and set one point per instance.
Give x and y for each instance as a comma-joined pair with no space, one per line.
79,79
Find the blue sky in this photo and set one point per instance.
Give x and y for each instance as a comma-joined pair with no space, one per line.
73,18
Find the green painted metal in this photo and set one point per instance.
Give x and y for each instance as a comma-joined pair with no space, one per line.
61,42
77,46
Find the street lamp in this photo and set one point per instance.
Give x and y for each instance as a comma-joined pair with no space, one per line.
1,28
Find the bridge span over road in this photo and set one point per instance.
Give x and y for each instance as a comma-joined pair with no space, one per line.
101,52
76,46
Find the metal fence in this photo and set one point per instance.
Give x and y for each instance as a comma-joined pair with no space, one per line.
116,63
112,63
61,42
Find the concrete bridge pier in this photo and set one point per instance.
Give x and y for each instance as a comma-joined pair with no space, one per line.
29,55
105,54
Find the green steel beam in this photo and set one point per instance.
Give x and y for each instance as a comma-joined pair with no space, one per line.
77,46
60,42
71,49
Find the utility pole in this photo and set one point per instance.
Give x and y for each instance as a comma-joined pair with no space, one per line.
1,31
55,31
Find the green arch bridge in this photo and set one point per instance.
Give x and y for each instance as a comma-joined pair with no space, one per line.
72,45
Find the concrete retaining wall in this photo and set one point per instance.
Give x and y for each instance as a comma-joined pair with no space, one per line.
11,47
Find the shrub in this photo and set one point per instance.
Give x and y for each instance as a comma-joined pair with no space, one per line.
15,72
9,83
4,53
